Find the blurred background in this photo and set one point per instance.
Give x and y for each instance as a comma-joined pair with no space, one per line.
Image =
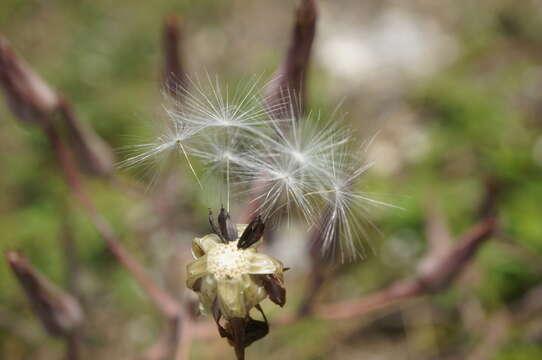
453,89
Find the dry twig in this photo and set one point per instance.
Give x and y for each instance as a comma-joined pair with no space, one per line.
25,105
429,279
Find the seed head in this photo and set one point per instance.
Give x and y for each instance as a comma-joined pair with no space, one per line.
227,261
231,278
287,164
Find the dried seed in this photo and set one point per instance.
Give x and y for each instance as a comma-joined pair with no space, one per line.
227,228
252,233
214,229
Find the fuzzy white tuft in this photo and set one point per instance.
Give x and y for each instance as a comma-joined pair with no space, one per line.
288,166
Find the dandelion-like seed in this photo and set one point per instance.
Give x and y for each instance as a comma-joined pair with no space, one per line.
292,166
172,141
221,109
347,210
281,186
226,120
344,218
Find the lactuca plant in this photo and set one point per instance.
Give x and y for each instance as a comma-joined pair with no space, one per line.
288,168
231,278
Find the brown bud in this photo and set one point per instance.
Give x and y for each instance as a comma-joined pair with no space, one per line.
33,101
28,96
59,312
174,76
290,84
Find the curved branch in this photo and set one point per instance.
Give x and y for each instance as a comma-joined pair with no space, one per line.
429,279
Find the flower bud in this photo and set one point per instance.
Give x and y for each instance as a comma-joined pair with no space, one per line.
58,311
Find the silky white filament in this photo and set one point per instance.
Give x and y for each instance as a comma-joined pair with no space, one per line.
285,164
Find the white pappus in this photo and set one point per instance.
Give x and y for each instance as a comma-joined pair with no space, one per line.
287,165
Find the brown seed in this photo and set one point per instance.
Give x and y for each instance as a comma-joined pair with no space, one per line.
227,227
252,233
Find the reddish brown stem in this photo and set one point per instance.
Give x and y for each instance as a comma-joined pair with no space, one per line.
315,283
73,346
433,279
165,302
93,154
372,302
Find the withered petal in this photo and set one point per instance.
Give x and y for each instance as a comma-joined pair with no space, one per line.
253,290
207,293
263,264
256,329
231,298
216,311
217,315
197,285
201,246
196,270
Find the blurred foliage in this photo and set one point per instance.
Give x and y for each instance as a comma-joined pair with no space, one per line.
481,113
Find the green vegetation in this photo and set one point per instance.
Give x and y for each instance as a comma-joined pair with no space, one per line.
481,114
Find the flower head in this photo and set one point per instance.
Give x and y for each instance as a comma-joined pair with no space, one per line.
231,278
286,164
